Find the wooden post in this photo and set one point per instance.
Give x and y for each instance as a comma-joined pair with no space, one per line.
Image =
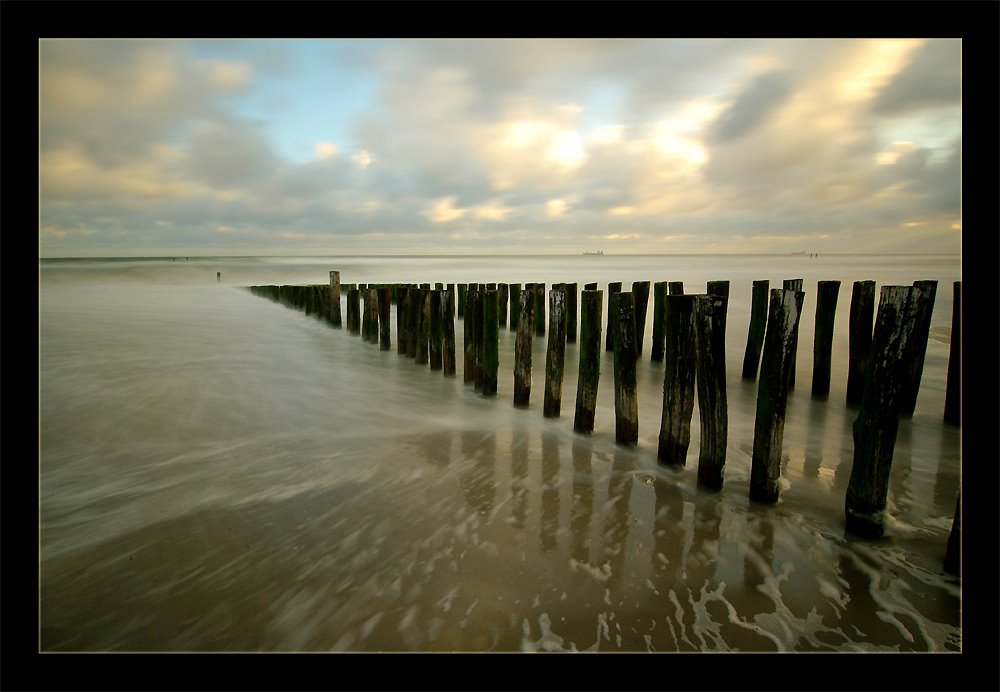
335,316
462,288
522,348
571,300
915,366
675,288
401,312
384,307
710,368
893,343
860,338
626,403
772,394
793,285
468,346
515,305
434,333
448,331
827,293
720,288
953,554
678,380
490,341
758,324
659,297
589,373
502,299
555,353
438,286
953,393
590,287
353,309
474,312
640,289
539,309
414,308
614,288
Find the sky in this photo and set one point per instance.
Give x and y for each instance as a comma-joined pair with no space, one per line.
509,146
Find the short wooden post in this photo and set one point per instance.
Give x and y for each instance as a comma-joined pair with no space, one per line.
678,380
793,285
675,288
590,287
335,316
353,311
555,352
720,288
462,288
468,345
827,293
614,288
589,373
758,324
434,355
384,307
438,286
423,326
515,305
474,312
490,341
502,299
953,553
659,297
401,312
626,403
640,289
539,309
772,394
878,419
571,300
710,367
915,365
448,331
953,392
522,348
860,338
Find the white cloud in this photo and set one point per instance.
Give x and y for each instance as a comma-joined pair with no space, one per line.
443,211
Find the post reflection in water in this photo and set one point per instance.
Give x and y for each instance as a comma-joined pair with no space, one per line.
478,482
758,561
616,517
518,477
549,524
666,567
582,507
815,437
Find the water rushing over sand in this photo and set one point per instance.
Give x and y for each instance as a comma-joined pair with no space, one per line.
222,473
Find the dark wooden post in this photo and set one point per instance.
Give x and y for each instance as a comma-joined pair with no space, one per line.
710,367
468,345
878,419
423,326
590,287
335,316
571,299
414,308
614,288
462,288
353,310
626,403
675,288
434,349
589,374
915,366
827,293
502,299
438,286
515,305
772,394
490,342
522,348
793,285
401,313
755,334
555,353
372,314
448,331
953,393
474,312
640,289
539,309
860,338
659,297
678,380
384,307
953,554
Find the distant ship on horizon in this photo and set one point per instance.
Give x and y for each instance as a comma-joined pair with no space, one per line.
598,252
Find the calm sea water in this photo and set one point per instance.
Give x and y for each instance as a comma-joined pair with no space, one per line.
222,473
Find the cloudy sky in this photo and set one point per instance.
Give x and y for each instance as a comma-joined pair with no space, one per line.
344,146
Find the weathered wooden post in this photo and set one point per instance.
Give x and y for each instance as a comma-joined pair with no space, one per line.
448,331
353,309
915,366
659,296
414,308
502,298
793,285
539,309
515,305
438,286
401,312
384,307
827,293
678,380
675,288
772,394
755,334
434,333
953,554
490,342
335,316
953,392
589,374
462,288
614,288
878,419
468,345
640,289
860,338
626,403
522,348
555,353
710,367
367,312
720,288
590,287
571,299
474,312
423,326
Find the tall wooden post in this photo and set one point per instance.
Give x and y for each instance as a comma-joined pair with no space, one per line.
401,313
448,331
626,403
772,394
384,307
755,334
953,392
640,289
462,288
423,327
827,293
366,315
539,309
468,344
414,308
434,333
659,297
710,360
678,379
860,338
490,341
522,348
353,310
878,419
515,305
555,353
571,300
614,288
915,366
589,373
793,285
502,300
335,316
474,312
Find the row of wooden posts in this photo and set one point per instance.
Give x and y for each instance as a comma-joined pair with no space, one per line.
688,332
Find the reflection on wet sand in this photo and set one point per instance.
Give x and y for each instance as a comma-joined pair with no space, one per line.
582,507
549,524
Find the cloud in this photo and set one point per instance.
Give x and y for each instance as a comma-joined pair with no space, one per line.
931,79
752,106
325,150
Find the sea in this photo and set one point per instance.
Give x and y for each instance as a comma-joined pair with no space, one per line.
219,472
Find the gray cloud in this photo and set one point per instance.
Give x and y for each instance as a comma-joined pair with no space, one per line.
766,93
933,78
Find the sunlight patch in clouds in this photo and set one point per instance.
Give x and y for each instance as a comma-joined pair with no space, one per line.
443,211
325,150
